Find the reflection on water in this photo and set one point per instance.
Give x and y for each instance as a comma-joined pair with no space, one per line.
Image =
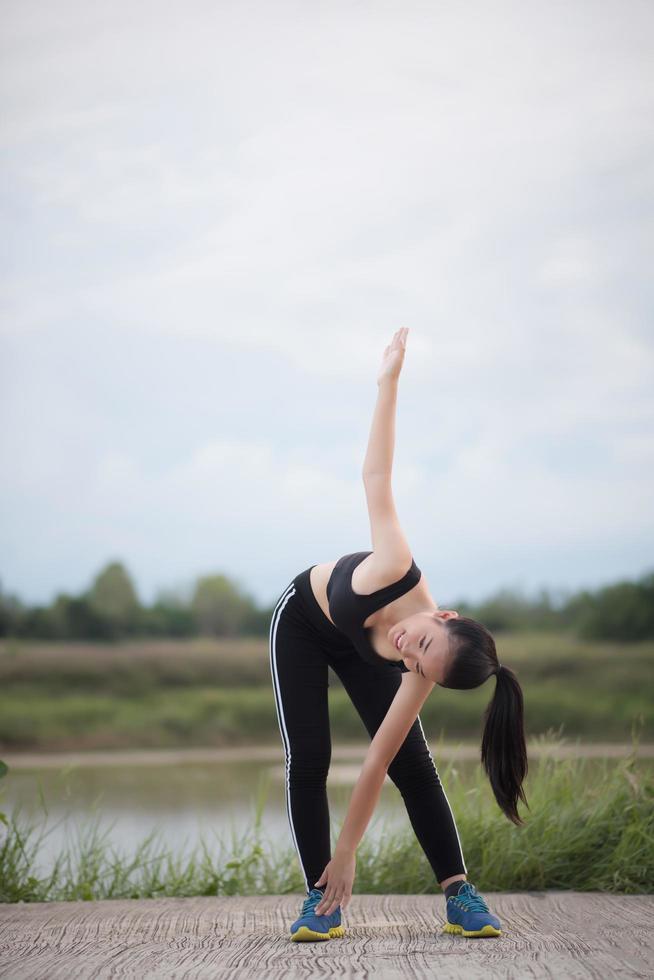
185,801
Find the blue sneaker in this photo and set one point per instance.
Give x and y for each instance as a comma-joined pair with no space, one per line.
311,926
468,914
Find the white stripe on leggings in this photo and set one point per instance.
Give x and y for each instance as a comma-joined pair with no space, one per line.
465,870
290,591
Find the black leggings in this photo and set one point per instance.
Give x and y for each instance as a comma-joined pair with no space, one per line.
303,643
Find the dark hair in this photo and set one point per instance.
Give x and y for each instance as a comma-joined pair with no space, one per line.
473,658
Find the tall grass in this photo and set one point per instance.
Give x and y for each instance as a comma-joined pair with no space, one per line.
580,833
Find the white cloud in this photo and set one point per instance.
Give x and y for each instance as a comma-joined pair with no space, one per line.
573,261
216,223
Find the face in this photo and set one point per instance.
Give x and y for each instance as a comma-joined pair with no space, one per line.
423,642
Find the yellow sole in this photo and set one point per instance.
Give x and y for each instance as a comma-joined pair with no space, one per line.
304,935
455,930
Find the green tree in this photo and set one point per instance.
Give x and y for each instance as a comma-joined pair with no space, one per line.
75,619
170,615
508,609
219,607
623,611
113,597
11,610
257,621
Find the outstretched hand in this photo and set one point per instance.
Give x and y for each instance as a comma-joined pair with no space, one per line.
393,356
337,879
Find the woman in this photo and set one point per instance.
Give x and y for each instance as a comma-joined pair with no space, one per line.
375,623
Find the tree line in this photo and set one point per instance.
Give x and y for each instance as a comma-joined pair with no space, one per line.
110,610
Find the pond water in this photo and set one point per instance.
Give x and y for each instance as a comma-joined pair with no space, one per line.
183,801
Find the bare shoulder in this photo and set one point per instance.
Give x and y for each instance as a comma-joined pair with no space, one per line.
375,572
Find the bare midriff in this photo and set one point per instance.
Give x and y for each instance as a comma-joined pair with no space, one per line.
319,577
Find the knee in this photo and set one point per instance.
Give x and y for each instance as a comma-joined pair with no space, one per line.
307,768
413,769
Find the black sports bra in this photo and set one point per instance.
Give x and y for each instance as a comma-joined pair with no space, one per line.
349,611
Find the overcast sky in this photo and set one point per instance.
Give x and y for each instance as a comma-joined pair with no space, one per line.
215,217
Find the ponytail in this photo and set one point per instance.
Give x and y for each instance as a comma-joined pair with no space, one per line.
503,749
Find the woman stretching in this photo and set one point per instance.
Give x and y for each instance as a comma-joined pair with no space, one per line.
370,616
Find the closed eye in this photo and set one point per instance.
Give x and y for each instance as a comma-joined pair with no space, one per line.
418,666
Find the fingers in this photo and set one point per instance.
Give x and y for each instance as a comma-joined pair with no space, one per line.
325,901
329,908
330,902
398,341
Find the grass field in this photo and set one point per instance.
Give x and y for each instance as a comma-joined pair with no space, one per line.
211,692
588,828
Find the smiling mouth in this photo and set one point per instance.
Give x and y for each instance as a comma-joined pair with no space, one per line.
397,642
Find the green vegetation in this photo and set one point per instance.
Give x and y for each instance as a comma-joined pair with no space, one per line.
214,605
110,610
584,831
219,692
623,611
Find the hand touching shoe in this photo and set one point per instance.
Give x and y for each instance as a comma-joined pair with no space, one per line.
337,880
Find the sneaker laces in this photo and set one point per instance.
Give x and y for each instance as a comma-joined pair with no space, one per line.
470,899
312,899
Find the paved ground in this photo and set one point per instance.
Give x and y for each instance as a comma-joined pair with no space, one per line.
559,935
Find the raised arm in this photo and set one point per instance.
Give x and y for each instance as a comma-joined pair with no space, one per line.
392,554
379,457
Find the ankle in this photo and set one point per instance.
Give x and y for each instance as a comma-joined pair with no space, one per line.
453,888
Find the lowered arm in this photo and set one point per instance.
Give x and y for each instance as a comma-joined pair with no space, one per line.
405,706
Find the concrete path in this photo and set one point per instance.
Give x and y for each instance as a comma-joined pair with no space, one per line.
559,935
